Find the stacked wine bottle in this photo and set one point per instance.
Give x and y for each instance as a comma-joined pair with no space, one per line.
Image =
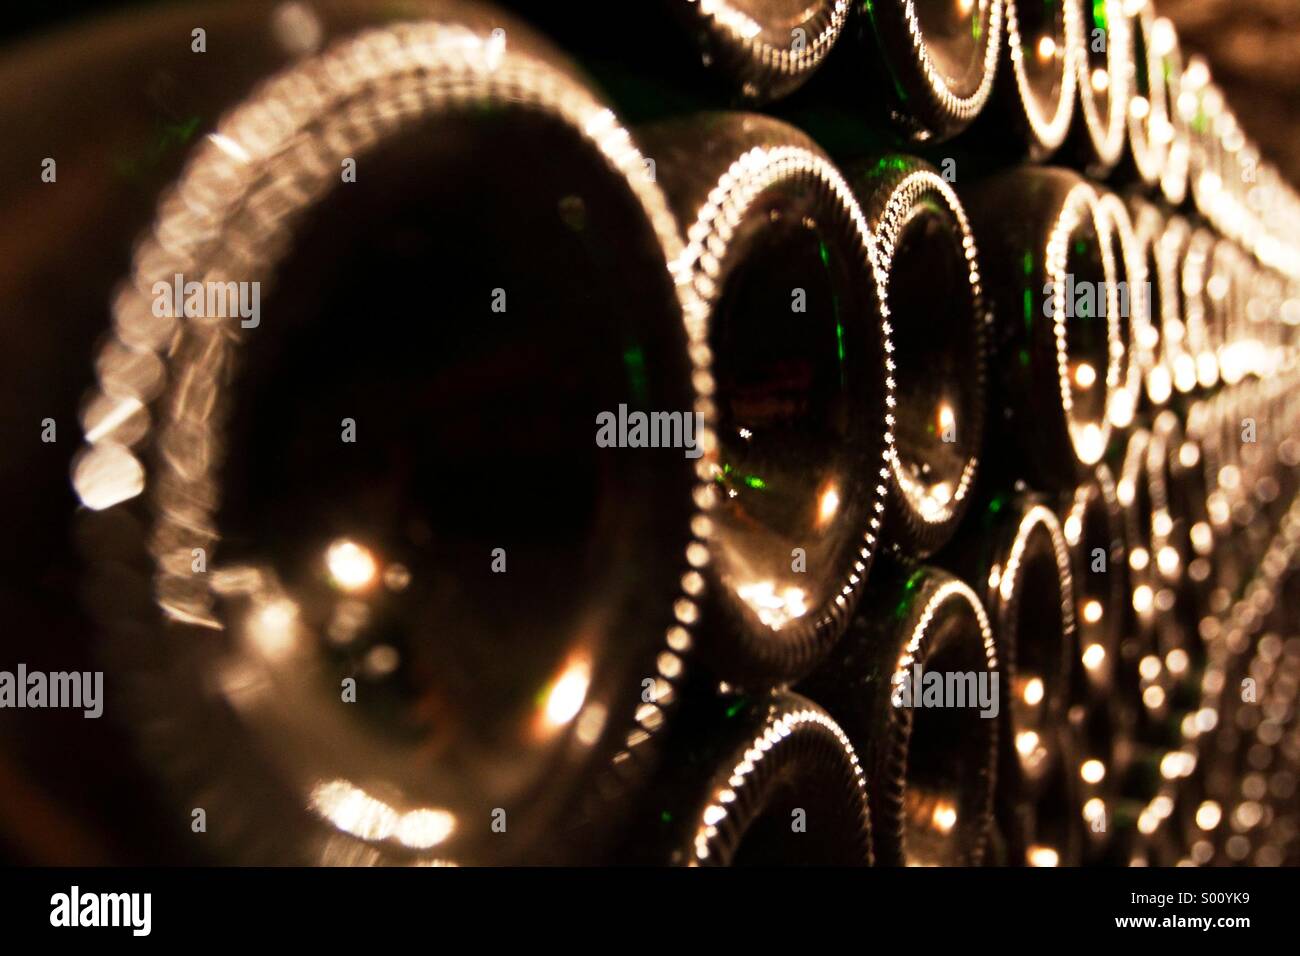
905,474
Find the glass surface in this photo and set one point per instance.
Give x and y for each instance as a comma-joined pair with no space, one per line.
935,338
795,429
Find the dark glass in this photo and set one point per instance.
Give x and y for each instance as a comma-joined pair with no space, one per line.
1185,548
1100,712
1034,94
666,57
1173,174
1149,126
800,383
1174,356
1050,272
1105,64
1133,491
422,389
755,781
930,770
1131,304
936,60
1093,524
1016,553
940,334
1147,341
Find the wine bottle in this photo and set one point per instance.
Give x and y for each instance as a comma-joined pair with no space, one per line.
801,382
1133,491
1166,51
684,55
1204,162
766,49
1103,59
1093,524
1199,365
1133,312
1150,127
1033,99
915,683
1228,289
763,780
1050,272
1148,340
404,584
1016,552
1171,461
935,62
1176,355
939,318
1095,747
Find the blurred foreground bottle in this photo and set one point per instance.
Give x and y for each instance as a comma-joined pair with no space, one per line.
378,549
764,780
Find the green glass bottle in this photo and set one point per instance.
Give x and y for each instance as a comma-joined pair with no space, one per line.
761,780
798,373
372,555
916,684
940,321
1050,271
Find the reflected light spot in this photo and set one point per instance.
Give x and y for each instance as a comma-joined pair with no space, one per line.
1176,763
1143,599
107,475
1159,385
1033,693
1073,529
351,566
421,829
272,628
1208,815
828,506
1202,537
774,610
1042,856
946,417
1092,612
1026,742
1149,667
944,817
230,147
1091,443
568,694
354,811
